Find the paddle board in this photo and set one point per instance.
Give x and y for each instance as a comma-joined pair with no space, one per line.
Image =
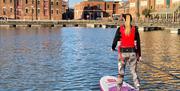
109,83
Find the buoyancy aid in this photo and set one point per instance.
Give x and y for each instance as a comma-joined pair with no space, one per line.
127,41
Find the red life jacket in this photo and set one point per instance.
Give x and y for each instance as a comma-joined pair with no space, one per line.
127,41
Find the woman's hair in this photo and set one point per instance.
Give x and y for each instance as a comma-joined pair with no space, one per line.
127,23
124,16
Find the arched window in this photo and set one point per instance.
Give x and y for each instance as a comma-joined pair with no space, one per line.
4,1
57,11
57,3
51,11
4,11
26,10
11,10
26,1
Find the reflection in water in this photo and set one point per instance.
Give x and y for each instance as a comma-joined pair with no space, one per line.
161,60
66,59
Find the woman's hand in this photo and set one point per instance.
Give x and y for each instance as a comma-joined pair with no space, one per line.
139,59
113,50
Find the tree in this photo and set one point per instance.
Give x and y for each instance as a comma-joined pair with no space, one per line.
146,12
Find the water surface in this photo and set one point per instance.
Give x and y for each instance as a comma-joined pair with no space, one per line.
74,59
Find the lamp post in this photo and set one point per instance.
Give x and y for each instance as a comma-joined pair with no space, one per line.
137,6
15,8
67,12
124,6
32,11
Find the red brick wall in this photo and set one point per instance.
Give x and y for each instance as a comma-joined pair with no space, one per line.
151,4
78,10
9,9
109,8
79,7
29,11
105,6
57,10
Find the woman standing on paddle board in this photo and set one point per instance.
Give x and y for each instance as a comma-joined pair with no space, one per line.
129,50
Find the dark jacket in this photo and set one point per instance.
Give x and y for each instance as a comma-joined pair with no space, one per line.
137,38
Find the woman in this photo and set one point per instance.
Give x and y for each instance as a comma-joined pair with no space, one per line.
129,51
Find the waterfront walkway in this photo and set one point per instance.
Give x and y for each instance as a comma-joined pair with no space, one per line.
55,22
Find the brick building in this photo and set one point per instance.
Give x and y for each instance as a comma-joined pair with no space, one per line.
95,9
156,6
31,9
123,8
7,8
167,10
136,7
133,8
64,6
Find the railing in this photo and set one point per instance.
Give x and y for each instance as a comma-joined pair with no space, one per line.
19,22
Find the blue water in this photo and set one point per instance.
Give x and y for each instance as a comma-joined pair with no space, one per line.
74,59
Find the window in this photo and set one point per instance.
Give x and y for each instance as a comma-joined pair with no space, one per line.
4,11
46,4
57,3
26,1
26,10
151,7
167,3
99,6
45,12
11,10
51,3
108,6
57,11
38,11
4,1
99,14
32,1
51,11
33,11
114,6
38,2
10,1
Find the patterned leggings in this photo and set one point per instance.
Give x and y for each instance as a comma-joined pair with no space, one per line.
130,59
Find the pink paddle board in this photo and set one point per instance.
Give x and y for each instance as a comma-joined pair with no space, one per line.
109,83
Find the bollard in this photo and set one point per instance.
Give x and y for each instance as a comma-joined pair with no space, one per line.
29,25
146,29
95,26
52,25
64,25
100,26
12,26
76,25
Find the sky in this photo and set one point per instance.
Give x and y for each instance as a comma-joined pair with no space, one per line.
73,2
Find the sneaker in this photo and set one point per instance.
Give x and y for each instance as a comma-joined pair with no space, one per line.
137,87
119,82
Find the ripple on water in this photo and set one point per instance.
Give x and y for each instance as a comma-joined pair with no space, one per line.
66,60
